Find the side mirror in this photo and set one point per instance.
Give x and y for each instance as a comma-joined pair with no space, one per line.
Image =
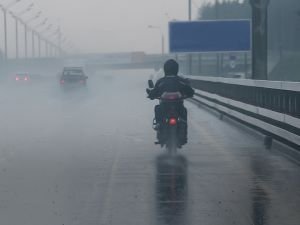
150,84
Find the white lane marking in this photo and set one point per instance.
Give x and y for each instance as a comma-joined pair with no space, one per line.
106,212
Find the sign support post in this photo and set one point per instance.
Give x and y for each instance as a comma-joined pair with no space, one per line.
260,39
189,56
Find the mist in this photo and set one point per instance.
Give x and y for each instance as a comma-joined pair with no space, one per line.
80,138
46,133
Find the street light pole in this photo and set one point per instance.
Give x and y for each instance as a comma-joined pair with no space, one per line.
260,39
26,30
5,34
190,10
189,59
26,43
16,16
56,43
50,50
4,9
17,38
162,44
33,45
59,42
43,42
38,36
47,48
39,43
217,9
217,15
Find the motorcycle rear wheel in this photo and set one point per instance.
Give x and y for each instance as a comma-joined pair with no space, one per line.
172,141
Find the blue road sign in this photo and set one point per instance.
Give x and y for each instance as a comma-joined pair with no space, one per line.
210,36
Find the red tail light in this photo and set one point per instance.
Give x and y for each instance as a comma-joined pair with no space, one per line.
26,79
62,81
17,78
172,121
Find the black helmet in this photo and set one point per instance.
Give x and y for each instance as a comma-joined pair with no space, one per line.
171,68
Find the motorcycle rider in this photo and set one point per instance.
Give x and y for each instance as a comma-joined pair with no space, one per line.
171,83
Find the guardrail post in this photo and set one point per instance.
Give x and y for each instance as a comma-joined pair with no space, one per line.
268,142
246,64
200,63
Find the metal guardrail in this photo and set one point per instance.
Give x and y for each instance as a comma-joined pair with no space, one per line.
268,95
272,107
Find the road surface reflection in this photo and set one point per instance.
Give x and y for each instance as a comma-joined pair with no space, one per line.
171,189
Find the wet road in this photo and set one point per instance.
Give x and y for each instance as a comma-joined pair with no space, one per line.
86,157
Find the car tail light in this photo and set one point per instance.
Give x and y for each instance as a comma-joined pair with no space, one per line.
26,79
82,81
172,121
17,78
62,81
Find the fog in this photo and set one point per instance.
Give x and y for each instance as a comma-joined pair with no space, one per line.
84,152
106,26
51,134
86,155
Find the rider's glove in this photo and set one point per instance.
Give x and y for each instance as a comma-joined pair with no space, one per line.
149,93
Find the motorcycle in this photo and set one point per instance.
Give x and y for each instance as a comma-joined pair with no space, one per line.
172,127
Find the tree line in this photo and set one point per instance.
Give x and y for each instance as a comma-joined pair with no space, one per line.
283,20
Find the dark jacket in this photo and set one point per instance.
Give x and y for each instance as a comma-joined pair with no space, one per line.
172,84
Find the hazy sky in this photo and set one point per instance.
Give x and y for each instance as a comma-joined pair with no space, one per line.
115,26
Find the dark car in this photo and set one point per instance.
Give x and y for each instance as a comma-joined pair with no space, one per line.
73,76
